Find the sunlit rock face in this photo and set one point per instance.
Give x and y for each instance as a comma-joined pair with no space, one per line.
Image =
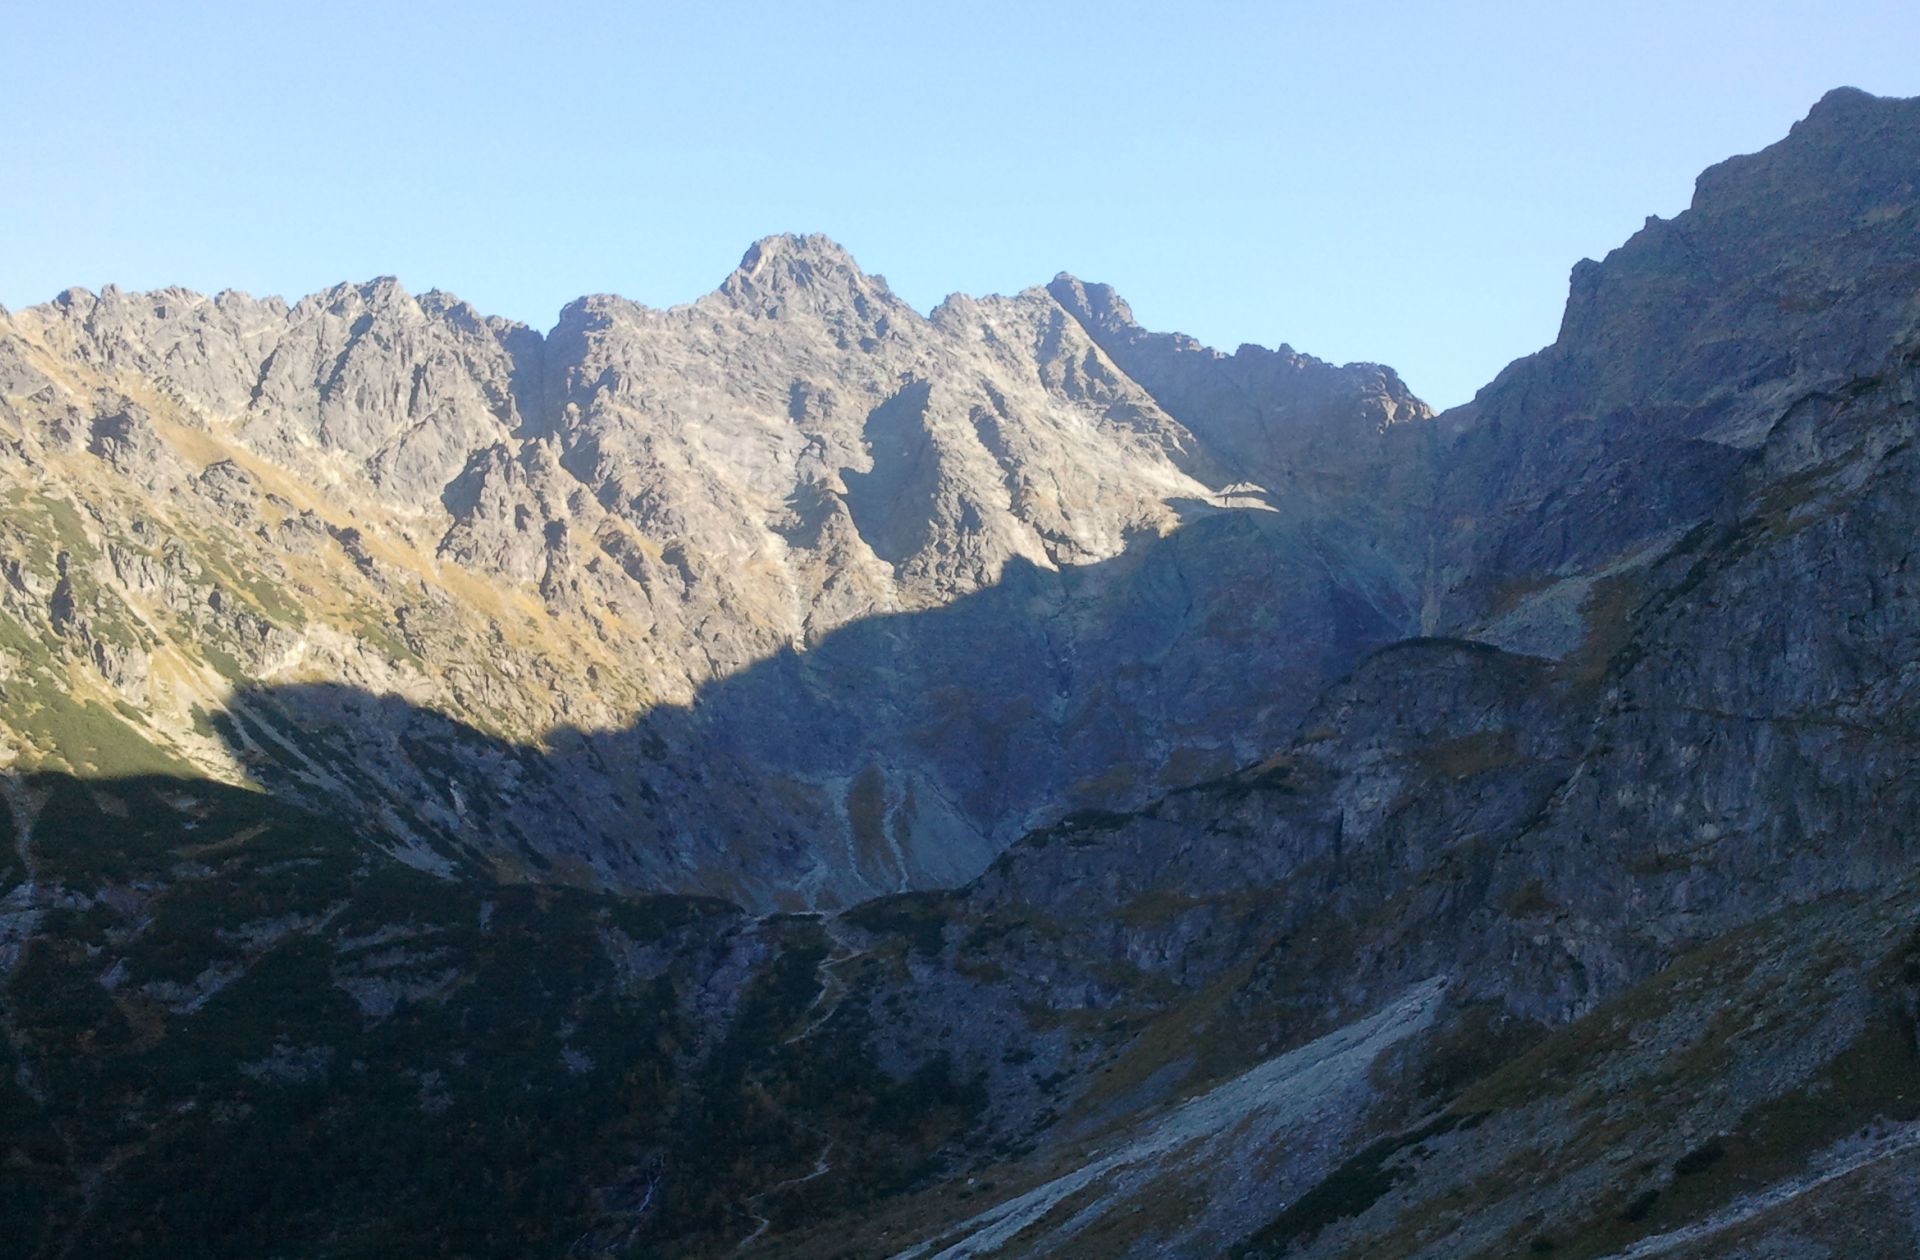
793,594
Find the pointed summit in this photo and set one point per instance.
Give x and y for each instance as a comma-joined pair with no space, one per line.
779,275
798,249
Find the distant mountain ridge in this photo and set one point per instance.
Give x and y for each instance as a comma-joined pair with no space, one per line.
527,533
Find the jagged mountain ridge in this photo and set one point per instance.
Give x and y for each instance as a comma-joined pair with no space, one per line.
1644,802
570,531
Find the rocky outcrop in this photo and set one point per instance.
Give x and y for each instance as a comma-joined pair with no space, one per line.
1792,274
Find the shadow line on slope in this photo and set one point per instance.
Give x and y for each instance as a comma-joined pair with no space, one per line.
900,751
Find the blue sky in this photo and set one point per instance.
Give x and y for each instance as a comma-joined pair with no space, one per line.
1407,183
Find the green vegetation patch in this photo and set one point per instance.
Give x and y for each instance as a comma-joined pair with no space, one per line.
920,917
1351,1189
88,738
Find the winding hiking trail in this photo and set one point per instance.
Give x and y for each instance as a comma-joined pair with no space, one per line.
832,987
821,1167
821,1009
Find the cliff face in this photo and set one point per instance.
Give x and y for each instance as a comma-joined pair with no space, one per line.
1792,274
1482,834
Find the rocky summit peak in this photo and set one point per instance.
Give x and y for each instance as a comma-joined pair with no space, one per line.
1094,304
1843,102
799,271
1773,246
811,248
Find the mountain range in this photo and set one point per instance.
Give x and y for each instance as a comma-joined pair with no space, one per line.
792,775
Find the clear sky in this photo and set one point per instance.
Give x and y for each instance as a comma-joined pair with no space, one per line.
1407,183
